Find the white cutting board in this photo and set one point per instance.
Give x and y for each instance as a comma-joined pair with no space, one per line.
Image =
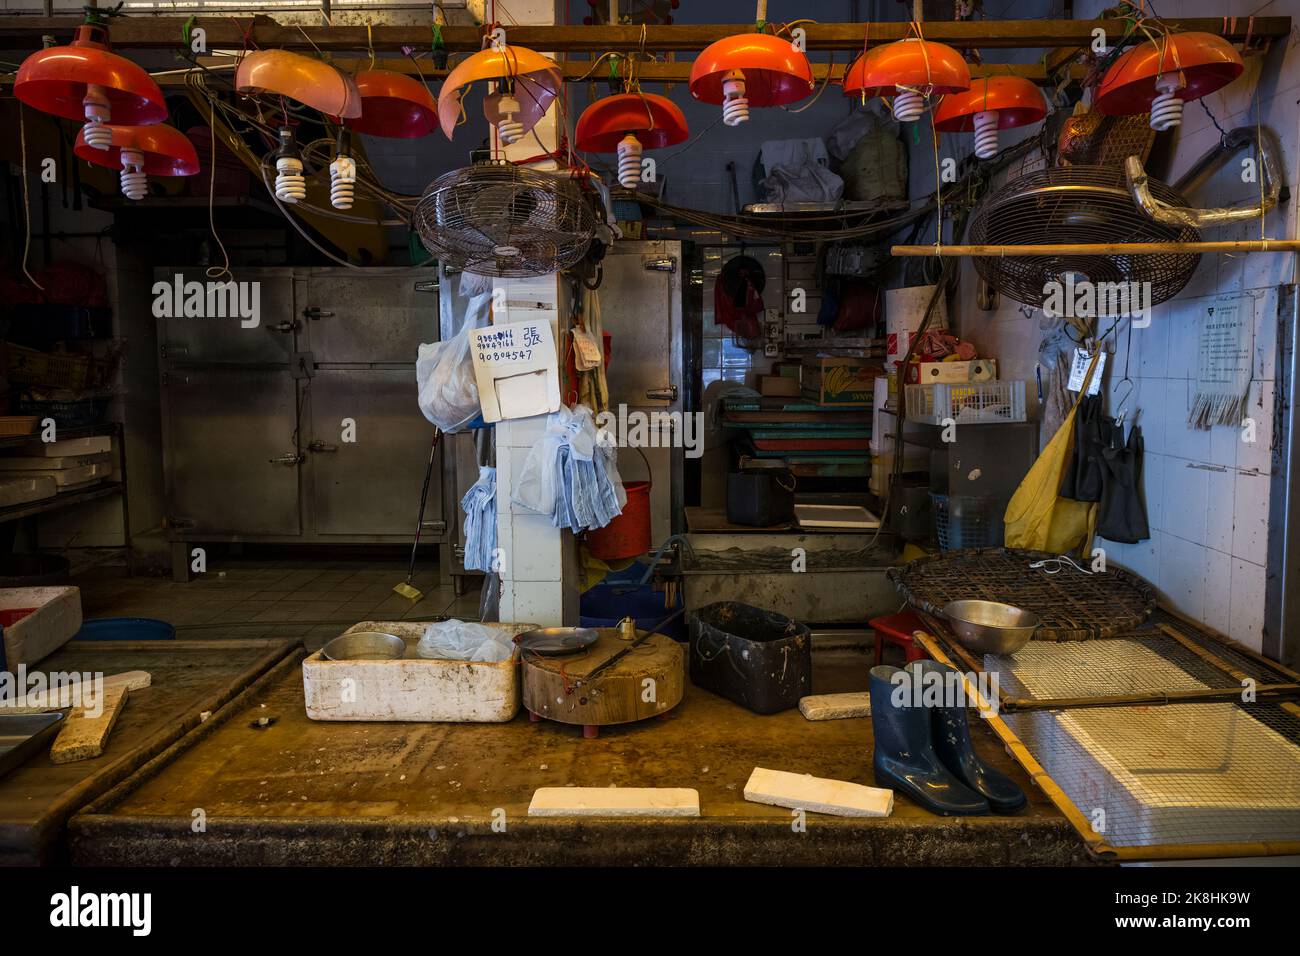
846,517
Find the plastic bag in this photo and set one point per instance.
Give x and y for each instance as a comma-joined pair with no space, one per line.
461,641
797,171
444,372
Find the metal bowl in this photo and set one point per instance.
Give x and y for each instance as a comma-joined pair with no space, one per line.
990,627
557,641
365,646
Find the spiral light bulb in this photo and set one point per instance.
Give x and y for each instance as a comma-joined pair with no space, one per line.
735,106
98,113
986,134
509,128
629,161
1167,108
135,184
343,177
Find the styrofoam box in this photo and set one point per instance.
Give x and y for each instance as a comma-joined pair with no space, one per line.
1177,773
57,617
19,491
55,463
413,688
68,478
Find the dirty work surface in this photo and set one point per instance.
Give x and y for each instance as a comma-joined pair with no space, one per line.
298,792
189,677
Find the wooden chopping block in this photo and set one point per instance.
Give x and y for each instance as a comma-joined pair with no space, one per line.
647,682
82,736
614,802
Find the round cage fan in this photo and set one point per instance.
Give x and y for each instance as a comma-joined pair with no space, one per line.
499,219
1077,204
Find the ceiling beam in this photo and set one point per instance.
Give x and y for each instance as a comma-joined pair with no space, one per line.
575,71
230,33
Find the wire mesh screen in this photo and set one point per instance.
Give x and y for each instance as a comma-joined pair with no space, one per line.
1091,139
498,219
1186,773
1073,605
1078,204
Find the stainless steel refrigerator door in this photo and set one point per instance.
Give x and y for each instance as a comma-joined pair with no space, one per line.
354,318
231,465
641,309
369,486
223,339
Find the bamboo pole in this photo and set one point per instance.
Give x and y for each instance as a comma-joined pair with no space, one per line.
1236,674
1101,249
1209,695
1094,842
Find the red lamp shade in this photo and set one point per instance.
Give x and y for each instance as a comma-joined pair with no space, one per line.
750,69
655,120
394,105
86,80
140,152
998,102
908,70
627,124
1160,75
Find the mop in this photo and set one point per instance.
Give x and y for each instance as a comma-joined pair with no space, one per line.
406,589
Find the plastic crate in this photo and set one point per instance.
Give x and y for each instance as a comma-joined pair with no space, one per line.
968,521
74,414
967,404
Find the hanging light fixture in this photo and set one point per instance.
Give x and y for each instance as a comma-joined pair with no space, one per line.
628,124
750,69
910,71
393,105
290,183
343,175
139,152
311,82
526,85
86,80
991,104
1161,74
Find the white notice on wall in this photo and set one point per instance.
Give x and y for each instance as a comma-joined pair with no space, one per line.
516,370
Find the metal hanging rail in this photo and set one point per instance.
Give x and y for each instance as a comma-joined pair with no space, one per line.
232,33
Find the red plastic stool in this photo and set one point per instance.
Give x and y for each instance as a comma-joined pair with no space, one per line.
897,629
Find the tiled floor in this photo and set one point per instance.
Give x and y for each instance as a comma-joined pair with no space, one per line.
250,598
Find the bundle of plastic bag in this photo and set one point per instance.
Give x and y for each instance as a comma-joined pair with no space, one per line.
444,372
461,641
570,475
480,507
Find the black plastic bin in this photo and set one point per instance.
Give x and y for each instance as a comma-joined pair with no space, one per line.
759,659
760,498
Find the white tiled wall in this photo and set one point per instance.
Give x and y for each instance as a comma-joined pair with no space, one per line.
1207,492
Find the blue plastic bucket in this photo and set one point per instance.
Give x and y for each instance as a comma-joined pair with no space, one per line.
125,629
607,604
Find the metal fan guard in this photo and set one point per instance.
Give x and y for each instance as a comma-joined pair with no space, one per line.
499,219
1077,204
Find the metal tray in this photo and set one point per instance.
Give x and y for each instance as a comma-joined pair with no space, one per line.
24,735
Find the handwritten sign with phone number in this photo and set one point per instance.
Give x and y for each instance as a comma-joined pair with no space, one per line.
504,345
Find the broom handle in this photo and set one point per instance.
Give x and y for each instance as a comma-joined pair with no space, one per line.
424,497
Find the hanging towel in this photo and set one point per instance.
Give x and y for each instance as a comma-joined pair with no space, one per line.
570,475
480,507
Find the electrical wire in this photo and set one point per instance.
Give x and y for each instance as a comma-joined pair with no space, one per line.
27,203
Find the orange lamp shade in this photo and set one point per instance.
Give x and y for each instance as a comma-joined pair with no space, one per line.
1205,62
910,64
312,82
166,150
775,73
654,120
537,81
394,105
56,80
1016,101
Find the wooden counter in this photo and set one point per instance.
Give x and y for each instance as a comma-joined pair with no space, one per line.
297,792
189,678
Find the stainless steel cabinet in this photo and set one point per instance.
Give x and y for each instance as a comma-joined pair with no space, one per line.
305,428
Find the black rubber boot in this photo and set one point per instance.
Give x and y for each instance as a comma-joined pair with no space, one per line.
952,743
904,758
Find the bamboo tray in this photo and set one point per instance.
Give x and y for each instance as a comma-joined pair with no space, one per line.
1074,606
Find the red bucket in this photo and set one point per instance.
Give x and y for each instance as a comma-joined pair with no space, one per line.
628,535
